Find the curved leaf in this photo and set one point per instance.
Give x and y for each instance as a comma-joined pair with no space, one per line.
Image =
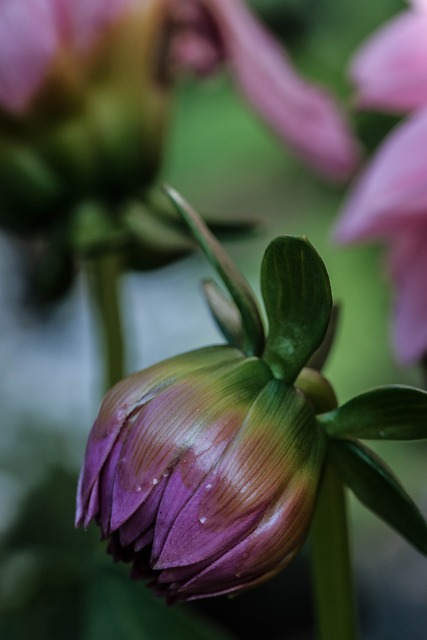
298,300
225,313
377,488
252,328
387,413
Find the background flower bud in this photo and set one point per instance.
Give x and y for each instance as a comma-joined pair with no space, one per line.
202,471
88,120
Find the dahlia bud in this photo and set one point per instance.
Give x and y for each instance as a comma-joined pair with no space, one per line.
202,472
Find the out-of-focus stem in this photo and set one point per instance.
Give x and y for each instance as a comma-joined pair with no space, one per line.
105,271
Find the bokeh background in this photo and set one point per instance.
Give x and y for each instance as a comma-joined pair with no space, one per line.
56,582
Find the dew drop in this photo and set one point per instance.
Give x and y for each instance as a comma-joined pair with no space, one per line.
202,519
155,481
138,488
208,486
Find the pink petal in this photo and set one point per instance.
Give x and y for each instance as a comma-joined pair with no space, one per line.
32,33
392,192
302,114
419,4
408,266
86,20
390,70
28,43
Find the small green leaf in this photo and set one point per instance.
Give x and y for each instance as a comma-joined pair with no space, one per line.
387,413
298,300
377,488
225,313
252,328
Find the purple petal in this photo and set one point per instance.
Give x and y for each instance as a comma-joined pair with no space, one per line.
408,264
266,550
126,397
302,114
392,192
191,472
162,431
139,528
390,70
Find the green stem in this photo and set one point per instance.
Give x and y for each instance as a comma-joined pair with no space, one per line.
105,270
331,564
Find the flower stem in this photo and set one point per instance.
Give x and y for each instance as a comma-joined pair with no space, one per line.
331,564
105,270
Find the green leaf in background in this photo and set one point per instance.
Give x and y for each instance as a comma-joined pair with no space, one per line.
378,489
120,609
394,412
298,300
240,291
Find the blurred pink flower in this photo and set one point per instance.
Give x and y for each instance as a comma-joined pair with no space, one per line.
199,35
390,70
389,201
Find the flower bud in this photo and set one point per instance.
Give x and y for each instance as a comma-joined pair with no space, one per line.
202,472
82,109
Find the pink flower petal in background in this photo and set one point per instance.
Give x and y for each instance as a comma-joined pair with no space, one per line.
303,115
419,4
392,191
390,70
28,42
408,268
32,33
85,20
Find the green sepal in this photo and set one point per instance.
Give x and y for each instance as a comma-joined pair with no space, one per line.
394,412
297,296
252,327
377,488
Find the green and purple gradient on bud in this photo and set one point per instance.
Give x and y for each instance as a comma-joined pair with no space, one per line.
202,471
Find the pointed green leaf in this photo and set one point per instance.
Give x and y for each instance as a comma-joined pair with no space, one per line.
298,300
387,413
377,488
253,332
225,313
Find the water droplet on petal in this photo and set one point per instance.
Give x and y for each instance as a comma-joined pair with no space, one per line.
208,486
202,519
138,488
155,481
